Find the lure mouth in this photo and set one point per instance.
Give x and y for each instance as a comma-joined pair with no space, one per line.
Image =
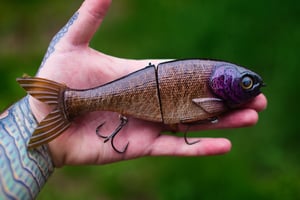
259,81
262,84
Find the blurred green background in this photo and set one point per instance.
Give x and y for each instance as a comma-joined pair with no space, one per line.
263,35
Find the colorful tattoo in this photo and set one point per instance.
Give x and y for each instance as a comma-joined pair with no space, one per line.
22,172
57,37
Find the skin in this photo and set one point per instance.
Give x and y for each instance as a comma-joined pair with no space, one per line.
70,60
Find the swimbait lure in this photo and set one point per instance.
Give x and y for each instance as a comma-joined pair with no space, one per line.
175,92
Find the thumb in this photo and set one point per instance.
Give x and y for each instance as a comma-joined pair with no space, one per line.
86,21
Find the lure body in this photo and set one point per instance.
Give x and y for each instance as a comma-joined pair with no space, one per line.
181,91
163,95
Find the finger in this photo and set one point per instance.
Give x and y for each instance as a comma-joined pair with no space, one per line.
167,145
88,19
235,119
243,117
259,103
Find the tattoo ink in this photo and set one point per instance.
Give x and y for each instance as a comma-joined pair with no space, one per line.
22,173
57,37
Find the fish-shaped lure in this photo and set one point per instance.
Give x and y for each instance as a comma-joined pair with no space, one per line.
175,92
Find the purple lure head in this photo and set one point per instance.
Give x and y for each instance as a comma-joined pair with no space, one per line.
235,85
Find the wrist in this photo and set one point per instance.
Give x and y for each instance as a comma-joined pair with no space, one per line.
38,109
23,172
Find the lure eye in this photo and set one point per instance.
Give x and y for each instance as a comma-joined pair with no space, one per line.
247,82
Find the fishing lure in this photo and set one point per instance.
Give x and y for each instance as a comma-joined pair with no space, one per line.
175,92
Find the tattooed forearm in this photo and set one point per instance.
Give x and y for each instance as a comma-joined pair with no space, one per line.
57,37
22,173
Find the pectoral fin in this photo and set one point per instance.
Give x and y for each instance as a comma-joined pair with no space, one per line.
210,105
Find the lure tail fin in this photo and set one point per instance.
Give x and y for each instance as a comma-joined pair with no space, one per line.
51,93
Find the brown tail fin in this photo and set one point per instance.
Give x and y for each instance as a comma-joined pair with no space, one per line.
49,92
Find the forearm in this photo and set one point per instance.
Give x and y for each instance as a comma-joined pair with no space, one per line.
22,172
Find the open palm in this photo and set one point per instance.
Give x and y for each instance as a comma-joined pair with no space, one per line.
70,60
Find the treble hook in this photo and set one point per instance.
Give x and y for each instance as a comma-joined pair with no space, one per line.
111,137
212,120
185,136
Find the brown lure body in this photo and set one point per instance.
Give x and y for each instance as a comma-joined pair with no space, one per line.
180,91
163,95
180,83
134,95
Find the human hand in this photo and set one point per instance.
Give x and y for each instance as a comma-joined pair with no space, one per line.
70,60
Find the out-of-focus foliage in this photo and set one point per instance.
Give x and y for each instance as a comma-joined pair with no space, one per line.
263,35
